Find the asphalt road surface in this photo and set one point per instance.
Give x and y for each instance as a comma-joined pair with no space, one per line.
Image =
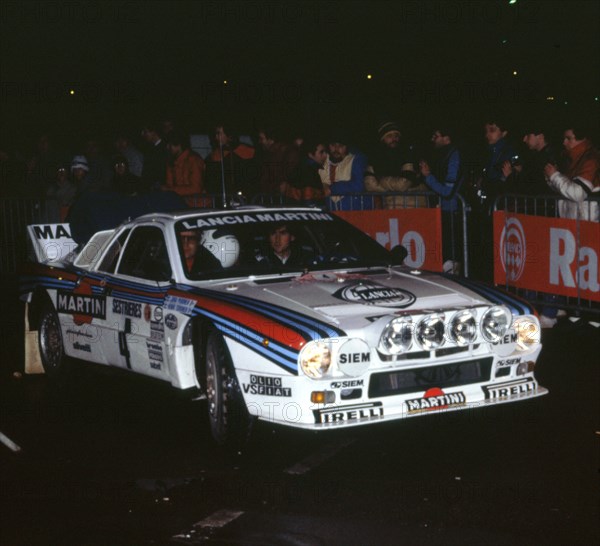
111,459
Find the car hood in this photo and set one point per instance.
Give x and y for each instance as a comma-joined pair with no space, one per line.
354,299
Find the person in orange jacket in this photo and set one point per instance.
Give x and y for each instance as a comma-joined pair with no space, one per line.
236,169
185,170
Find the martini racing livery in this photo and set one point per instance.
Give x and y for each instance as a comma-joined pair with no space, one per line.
289,315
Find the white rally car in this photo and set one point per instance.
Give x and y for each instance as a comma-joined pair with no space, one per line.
340,334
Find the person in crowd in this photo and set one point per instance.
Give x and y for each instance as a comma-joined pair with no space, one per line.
41,167
305,185
343,173
484,192
231,167
98,209
12,173
445,178
93,208
296,148
527,175
185,170
274,157
392,169
580,179
62,190
168,126
154,171
499,151
124,181
79,173
135,158
100,172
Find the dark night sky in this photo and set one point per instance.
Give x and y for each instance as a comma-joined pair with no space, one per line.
294,62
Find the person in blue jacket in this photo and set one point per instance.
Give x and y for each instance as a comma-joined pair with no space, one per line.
97,210
444,176
499,151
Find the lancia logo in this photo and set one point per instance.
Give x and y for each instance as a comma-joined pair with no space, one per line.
370,293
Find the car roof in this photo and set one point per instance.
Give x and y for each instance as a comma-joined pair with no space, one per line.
189,213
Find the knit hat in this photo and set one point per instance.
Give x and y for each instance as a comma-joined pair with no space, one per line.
80,162
387,127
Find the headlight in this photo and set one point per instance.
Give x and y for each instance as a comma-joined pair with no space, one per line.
430,331
397,336
528,333
315,359
494,323
462,329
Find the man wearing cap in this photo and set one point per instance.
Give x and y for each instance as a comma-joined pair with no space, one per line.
79,171
343,173
526,175
392,169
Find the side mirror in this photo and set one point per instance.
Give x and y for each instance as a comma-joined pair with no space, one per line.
398,253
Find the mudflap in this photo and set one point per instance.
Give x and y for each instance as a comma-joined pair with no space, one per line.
33,360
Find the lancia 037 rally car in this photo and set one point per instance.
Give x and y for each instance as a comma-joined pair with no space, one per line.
290,315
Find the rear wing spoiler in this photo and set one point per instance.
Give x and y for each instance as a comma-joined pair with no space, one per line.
50,243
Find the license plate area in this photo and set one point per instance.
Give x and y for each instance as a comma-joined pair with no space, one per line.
447,375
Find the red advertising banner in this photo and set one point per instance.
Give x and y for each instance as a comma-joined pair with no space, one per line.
554,255
418,230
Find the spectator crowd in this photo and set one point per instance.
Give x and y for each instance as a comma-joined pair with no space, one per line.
326,169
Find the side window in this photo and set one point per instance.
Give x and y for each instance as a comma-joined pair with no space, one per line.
110,259
145,255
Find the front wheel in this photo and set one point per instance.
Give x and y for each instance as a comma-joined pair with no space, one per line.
230,422
50,340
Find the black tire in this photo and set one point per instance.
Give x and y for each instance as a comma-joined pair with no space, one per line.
230,422
50,341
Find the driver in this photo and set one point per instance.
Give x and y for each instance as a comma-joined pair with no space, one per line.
281,249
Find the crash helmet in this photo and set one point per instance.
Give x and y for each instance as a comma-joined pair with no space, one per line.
223,245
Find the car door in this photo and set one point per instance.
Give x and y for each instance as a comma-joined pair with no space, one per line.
82,309
135,296
105,273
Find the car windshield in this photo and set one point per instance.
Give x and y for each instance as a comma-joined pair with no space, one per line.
243,243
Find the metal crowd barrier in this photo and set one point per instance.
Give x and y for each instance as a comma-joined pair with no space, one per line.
547,206
540,205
